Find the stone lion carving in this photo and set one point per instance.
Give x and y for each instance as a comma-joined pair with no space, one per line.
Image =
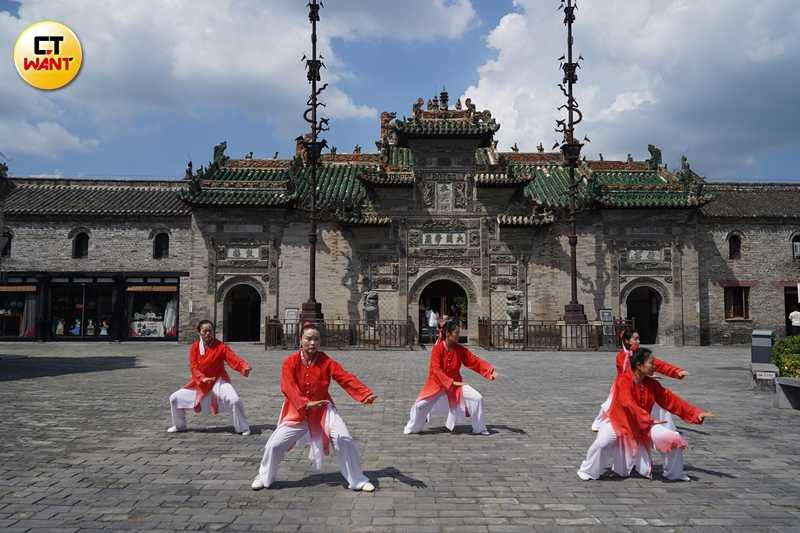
369,303
514,306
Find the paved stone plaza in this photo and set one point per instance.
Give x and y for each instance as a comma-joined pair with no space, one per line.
84,448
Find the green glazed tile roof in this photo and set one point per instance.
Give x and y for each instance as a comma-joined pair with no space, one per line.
340,190
614,189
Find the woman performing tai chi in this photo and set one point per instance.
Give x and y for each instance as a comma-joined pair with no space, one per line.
210,388
308,414
625,439
628,343
445,384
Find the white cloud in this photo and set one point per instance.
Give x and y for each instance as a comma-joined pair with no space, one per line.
43,139
194,57
714,79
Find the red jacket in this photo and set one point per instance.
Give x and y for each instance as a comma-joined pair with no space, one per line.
632,403
301,384
211,365
445,368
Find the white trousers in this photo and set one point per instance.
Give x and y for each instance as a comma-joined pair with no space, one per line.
422,409
286,436
607,450
227,398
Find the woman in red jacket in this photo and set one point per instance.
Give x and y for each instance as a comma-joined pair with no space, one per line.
445,384
308,414
210,388
628,434
628,344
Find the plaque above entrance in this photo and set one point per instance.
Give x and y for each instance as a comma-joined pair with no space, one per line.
441,238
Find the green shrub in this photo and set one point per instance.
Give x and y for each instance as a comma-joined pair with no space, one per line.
786,356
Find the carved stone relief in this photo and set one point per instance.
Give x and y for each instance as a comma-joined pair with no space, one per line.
428,194
460,195
474,238
444,194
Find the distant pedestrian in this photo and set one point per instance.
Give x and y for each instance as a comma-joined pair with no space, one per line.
433,324
794,318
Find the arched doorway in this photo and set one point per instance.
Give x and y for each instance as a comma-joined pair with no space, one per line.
644,305
445,297
242,314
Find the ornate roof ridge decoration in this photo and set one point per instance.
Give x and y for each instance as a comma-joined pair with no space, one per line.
510,176
390,177
525,220
439,120
279,185
618,166
257,163
533,157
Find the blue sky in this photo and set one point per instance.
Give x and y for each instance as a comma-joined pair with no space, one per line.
154,91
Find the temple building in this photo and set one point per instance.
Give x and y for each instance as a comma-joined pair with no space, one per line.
438,218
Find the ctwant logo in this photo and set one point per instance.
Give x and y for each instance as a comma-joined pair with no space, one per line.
48,55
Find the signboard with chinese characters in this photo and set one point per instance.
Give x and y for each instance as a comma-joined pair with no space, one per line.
442,238
243,253
645,256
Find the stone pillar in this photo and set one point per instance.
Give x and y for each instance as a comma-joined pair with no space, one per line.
677,294
485,290
401,238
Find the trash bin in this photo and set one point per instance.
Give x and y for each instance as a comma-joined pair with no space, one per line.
761,344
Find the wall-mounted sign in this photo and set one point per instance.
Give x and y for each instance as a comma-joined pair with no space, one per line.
442,238
242,253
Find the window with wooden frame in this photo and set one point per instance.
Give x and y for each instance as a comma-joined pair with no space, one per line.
737,303
796,246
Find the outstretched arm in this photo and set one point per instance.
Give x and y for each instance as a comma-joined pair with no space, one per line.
350,383
236,362
476,364
677,405
672,371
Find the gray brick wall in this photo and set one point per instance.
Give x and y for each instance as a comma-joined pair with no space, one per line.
692,311
766,265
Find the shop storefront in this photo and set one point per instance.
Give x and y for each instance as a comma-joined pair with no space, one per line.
151,308
18,303
90,306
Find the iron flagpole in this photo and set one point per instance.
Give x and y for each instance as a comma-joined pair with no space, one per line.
311,155
573,311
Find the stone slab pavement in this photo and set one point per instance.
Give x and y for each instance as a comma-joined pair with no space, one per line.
84,448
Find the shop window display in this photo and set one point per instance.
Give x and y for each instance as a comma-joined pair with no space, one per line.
18,314
152,314
81,310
